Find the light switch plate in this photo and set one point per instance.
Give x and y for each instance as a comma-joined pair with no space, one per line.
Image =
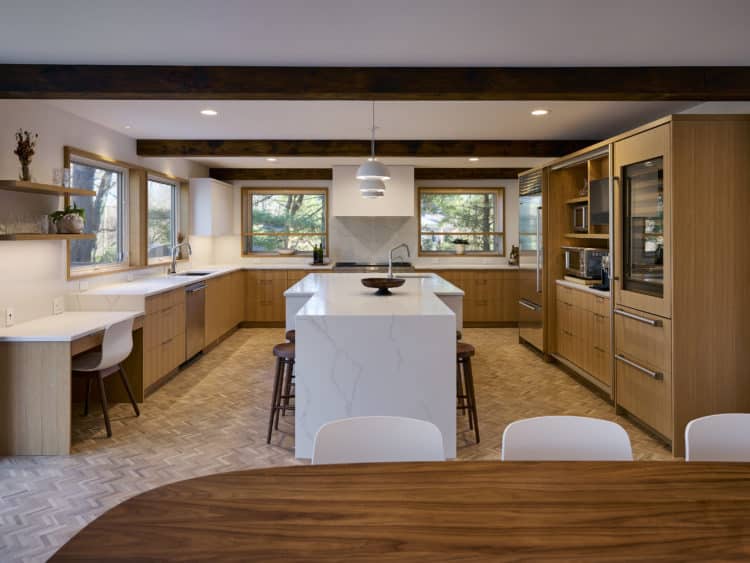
10,316
58,305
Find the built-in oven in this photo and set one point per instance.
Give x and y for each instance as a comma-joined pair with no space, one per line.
583,262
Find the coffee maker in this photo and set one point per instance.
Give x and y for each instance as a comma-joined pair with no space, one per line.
604,285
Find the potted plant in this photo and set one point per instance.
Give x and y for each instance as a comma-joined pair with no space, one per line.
461,244
25,143
70,220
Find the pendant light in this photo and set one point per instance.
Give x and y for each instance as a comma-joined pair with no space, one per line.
372,188
371,169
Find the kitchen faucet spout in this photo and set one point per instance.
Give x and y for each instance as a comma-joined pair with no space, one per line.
390,257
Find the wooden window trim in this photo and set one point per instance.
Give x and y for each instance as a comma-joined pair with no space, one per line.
248,191
499,192
136,214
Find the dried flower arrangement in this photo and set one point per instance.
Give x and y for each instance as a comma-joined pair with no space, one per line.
25,143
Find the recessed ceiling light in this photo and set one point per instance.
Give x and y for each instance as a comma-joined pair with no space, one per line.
539,112
272,159
210,112
473,159
127,127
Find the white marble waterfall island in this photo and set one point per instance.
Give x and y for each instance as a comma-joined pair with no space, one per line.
361,354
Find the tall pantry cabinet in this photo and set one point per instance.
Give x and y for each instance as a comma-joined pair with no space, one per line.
681,271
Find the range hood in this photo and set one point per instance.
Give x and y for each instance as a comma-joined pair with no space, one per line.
398,201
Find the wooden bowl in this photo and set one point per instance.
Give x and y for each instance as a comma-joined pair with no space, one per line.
383,285
286,251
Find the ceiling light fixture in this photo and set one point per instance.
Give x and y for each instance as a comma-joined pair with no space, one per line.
372,188
272,159
371,169
127,127
539,112
473,159
210,112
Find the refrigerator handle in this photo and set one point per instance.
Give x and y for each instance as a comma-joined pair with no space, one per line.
538,249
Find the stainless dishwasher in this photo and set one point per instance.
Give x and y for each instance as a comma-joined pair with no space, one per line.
195,318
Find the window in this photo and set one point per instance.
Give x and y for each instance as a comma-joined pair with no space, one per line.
161,218
279,218
105,216
475,215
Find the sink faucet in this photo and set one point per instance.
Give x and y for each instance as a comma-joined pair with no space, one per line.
390,257
175,249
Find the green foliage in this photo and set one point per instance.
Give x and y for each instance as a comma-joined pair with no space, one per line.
286,221
446,213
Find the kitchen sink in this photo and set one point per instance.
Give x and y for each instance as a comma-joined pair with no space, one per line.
196,274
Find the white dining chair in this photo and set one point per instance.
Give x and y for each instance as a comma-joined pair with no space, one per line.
718,437
366,439
565,438
100,364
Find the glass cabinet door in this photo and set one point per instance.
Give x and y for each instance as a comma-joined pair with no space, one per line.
643,227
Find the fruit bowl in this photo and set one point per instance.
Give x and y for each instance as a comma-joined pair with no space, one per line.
286,251
383,285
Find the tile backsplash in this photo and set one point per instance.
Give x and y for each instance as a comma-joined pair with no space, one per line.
369,239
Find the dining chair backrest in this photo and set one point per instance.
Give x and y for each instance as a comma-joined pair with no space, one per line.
565,438
718,437
116,344
367,439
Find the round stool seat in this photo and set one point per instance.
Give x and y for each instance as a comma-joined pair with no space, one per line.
459,335
285,350
290,335
464,350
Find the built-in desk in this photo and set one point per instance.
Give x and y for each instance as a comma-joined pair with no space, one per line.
35,377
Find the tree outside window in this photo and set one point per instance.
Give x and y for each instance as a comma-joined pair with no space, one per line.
162,218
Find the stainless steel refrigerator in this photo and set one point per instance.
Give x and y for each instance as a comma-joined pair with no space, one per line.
531,260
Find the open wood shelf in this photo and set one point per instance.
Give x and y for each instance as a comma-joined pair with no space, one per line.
582,199
46,189
587,235
39,236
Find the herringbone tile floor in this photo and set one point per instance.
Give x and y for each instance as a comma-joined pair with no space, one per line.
212,417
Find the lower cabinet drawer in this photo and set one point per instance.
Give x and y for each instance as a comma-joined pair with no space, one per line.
599,363
162,359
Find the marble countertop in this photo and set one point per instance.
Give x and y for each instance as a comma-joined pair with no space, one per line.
344,295
584,288
64,327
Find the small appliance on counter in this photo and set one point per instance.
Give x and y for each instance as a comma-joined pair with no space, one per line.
585,263
604,284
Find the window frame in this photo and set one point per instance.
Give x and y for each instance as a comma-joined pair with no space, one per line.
246,194
123,231
499,192
176,188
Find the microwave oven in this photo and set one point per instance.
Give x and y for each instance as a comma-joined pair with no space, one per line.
584,263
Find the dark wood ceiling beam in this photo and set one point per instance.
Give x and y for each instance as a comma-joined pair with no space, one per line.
231,174
356,148
467,173
373,83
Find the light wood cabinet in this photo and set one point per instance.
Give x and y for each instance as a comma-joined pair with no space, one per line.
225,304
490,296
583,332
163,335
264,295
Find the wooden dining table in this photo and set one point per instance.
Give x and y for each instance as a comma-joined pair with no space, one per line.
449,511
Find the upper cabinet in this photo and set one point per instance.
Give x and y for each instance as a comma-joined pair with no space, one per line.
642,221
398,200
211,203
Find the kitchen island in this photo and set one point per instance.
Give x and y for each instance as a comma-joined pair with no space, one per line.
360,354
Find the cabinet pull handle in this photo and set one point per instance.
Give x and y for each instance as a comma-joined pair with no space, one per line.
167,341
528,305
567,332
600,316
631,363
599,349
266,302
645,320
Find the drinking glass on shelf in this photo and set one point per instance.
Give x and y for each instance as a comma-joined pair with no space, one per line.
66,177
57,176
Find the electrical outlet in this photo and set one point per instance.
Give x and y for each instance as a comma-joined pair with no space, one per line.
10,316
131,277
58,305
83,285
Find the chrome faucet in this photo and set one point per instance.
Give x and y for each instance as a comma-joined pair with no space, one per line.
390,257
175,248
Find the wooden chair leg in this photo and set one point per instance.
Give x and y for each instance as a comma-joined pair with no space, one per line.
105,406
469,381
460,390
274,398
288,387
285,374
86,400
126,383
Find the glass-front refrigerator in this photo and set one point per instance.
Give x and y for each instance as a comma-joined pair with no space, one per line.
531,260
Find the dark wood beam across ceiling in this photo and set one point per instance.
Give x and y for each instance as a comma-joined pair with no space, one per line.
356,148
231,174
467,173
128,82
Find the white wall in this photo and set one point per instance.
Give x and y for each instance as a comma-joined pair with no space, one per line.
720,107
32,273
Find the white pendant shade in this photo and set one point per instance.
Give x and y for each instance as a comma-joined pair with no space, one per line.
372,188
373,170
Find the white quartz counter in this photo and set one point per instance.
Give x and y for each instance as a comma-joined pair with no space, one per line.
65,327
584,288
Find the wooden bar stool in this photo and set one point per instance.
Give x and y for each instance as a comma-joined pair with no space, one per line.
281,384
98,365
465,385
290,335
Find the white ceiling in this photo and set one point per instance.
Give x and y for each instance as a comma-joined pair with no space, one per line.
239,119
377,32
